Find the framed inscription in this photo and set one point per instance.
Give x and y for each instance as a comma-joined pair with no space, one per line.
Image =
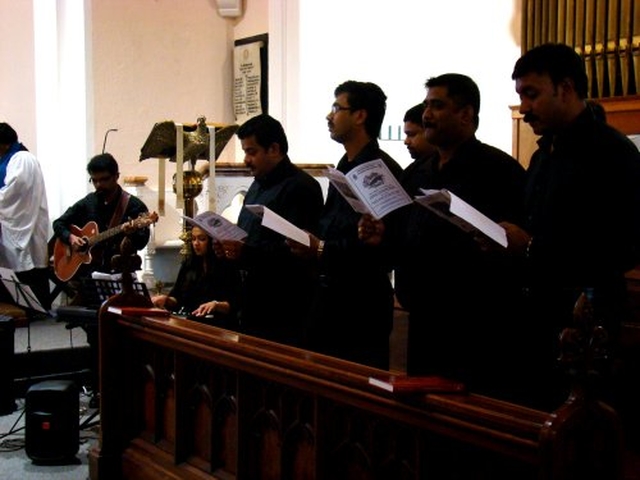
250,77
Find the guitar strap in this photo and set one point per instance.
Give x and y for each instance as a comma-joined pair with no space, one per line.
119,211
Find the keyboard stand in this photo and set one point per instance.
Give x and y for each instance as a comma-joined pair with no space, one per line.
93,292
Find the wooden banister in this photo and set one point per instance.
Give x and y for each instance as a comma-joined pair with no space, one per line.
180,399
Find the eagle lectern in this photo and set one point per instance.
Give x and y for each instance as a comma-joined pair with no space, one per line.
185,142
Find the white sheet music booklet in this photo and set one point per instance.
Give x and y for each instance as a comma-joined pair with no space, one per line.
460,213
370,188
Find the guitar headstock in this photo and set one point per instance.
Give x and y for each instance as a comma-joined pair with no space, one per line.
144,220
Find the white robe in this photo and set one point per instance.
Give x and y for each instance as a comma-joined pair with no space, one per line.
24,215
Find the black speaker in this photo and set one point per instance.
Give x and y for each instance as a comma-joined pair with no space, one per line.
7,360
52,422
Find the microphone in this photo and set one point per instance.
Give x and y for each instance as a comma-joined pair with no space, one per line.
104,144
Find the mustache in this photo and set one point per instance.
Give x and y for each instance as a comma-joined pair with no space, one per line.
529,117
428,125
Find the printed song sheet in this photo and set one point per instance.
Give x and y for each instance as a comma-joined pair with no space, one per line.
275,222
218,227
457,211
370,188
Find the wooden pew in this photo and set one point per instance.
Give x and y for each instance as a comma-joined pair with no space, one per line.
185,400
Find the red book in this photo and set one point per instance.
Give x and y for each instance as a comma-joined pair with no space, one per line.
140,311
404,384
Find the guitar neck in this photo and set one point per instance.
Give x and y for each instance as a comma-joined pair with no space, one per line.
106,234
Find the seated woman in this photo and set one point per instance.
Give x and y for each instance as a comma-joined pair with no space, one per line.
207,287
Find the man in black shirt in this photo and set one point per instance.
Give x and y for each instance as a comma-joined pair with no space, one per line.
458,292
352,312
277,286
110,207
581,232
417,145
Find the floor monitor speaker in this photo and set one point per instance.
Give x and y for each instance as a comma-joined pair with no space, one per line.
52,422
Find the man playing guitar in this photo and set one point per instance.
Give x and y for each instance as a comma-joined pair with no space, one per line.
101,219
114,212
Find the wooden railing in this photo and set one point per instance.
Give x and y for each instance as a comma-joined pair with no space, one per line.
605,32
185,400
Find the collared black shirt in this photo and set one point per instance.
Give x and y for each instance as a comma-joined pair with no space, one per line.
461,299
93,208
277,285
352,312
583,211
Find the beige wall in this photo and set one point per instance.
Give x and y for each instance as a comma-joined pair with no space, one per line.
17,81
151,60
155,60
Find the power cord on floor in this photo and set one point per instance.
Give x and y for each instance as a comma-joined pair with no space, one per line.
14,439
8,444
92,418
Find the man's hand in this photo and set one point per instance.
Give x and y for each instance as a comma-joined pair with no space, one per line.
76,242
230,249
517,238
300,250
370,230
128,227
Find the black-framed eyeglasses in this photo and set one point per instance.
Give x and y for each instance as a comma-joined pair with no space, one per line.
335,108
101,179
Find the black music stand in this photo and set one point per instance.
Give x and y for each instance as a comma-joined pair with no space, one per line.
97,291
93,292
23,297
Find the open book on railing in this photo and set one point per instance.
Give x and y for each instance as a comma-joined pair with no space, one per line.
405,384
460,213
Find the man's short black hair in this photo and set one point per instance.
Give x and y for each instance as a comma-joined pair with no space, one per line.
461,89
557,60
414,114
267,131
366,96
103,162
8,135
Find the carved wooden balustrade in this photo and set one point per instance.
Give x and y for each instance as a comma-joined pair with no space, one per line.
186,400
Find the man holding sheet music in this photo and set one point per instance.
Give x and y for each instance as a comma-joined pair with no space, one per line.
458,293
582,228
352,312
277,285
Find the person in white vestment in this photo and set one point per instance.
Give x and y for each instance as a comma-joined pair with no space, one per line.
24,215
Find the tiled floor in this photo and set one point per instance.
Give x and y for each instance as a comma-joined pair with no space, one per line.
48,334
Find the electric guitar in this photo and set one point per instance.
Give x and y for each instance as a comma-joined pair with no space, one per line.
67,260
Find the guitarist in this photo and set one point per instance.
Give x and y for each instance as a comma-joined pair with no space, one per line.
109,206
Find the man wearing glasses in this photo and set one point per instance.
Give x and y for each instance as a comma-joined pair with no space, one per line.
109,206
352,313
